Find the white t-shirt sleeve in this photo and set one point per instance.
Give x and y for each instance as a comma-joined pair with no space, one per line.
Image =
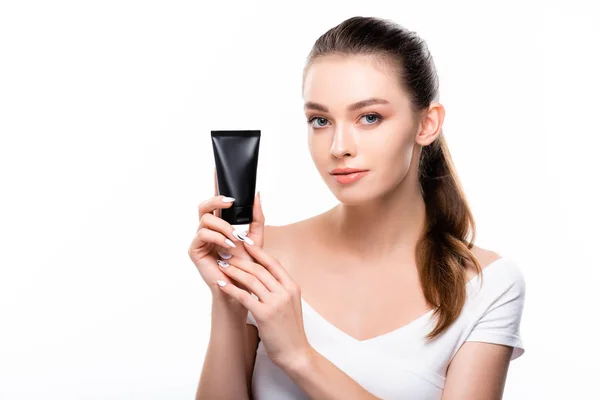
502,307
250,320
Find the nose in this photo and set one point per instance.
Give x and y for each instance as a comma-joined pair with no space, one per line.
344,143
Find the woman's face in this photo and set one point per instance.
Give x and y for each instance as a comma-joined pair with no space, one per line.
359,117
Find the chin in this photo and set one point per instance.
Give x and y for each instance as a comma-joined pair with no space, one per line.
353,196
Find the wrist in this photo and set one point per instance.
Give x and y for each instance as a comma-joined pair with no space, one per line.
301,362
222,302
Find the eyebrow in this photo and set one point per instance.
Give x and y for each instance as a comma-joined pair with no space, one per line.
311,105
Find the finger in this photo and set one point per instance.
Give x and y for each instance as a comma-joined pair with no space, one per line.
257,226
212,204
242,296
270,263
205,235
216,212
225,255
251,282
215,181
215,223
256,270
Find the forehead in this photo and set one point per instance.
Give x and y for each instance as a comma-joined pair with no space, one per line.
341,80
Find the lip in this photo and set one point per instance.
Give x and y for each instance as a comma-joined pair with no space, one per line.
345,179
346,171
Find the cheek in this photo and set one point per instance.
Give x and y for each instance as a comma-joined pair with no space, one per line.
392,162
319,150
392,153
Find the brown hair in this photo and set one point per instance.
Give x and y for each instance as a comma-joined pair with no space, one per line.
444,248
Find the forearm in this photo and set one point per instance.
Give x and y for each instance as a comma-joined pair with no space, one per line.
320,379
223,374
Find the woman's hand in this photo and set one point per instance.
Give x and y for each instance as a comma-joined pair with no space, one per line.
214,235
278,310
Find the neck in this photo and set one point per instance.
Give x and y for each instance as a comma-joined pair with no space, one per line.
390,225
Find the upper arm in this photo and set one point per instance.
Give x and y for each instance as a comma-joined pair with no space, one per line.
477,371
479,368
250,356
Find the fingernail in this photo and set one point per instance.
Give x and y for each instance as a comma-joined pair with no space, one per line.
228,199
229,243
239,235
222,264
224,256
221,283
248,240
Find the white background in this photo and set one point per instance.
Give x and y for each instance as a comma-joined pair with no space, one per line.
105,117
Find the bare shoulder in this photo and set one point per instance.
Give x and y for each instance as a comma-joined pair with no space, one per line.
281,241
276,236
484,256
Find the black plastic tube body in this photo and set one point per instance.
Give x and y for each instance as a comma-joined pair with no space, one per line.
236,161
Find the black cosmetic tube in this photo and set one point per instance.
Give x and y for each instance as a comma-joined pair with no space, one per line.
236,161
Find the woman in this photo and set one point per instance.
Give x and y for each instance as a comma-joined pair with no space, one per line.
384,295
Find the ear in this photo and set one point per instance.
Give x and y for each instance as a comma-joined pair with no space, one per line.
430,126
256,229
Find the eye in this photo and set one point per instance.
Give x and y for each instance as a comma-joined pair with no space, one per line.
321,121
371,118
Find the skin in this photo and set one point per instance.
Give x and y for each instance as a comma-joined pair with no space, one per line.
360,239
360,242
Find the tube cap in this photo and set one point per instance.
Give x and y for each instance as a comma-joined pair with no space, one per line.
237,215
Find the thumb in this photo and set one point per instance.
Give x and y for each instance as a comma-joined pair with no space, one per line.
256,229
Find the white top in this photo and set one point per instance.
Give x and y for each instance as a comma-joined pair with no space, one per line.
401,364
